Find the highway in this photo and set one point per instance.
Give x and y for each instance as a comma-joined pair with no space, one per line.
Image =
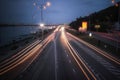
61,56
103,65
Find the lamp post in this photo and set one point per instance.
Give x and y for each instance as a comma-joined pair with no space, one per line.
42,7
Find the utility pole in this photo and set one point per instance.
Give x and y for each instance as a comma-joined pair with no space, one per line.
42,7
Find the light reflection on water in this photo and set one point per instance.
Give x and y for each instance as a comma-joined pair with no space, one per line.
7,34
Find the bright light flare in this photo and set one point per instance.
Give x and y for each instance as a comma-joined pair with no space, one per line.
48,4
42,24
90,34
62,28
63,36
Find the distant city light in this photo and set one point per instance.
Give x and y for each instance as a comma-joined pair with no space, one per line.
84,25
90,34
42,24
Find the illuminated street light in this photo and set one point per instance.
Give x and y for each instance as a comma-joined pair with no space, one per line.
48,4
42,25
42,7
90,34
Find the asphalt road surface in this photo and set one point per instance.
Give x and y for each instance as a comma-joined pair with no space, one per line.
61,56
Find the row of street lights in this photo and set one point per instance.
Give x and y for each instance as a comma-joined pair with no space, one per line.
42,7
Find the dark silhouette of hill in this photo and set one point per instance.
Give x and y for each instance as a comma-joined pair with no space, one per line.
105,18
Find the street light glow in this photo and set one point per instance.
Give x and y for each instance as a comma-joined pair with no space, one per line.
34,4
90,34
42,24
44,7
48,4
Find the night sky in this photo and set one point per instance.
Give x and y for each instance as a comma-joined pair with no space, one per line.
60,11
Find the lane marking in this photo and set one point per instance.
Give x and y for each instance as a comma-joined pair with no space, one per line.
72,54
67,55
25,57
74,70
107,65
55,52
103,53
69,61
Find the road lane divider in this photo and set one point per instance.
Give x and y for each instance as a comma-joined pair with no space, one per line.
83,67
101,52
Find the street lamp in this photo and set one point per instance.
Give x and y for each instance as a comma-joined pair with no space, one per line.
90,34
42,7
48,4
42,25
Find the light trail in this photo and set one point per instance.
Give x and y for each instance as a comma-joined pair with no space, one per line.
75,56
18,55
19,58
103,53
19,61
78,57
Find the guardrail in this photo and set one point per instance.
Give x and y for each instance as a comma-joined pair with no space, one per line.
110,41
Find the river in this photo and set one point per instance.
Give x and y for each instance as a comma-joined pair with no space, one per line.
9,33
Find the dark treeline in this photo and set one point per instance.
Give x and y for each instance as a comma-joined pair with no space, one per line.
105,18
